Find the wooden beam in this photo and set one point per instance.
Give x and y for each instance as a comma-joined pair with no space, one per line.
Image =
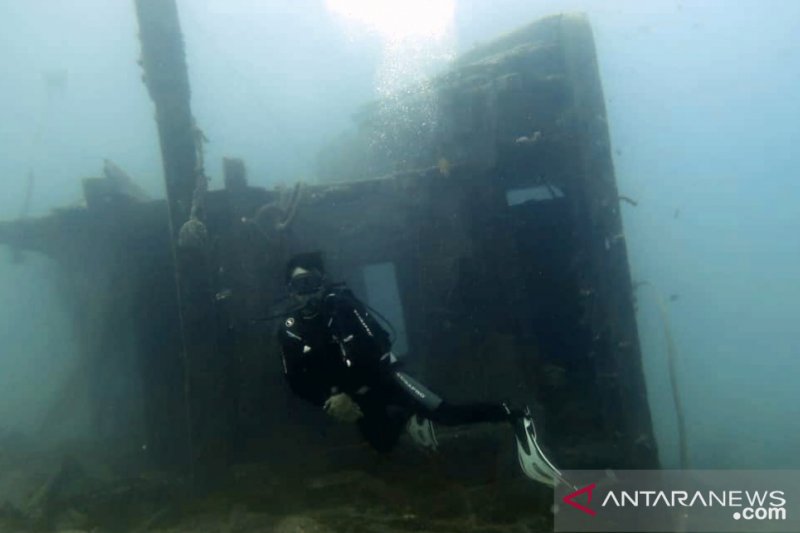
206,386
166,77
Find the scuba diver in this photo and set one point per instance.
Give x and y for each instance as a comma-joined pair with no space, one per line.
337,356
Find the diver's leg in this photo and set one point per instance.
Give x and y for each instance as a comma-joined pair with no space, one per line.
382,424
428,404
381,434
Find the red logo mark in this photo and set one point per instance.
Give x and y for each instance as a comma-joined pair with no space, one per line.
569,499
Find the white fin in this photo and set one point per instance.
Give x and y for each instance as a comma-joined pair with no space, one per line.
421,431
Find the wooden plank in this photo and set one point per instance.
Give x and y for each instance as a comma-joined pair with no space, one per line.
606,273
206,376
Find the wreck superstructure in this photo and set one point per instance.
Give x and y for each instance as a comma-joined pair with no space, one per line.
493,200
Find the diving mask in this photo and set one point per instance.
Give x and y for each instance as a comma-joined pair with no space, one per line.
306,283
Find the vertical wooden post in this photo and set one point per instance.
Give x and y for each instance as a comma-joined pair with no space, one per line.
165,75
206,382
605,259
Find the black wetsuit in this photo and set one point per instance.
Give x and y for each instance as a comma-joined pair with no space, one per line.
344,349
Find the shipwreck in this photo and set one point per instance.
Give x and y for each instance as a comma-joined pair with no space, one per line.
490,206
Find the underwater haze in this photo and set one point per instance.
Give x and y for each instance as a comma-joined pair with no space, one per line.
703,102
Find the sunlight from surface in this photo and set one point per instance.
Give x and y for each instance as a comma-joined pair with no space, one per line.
399,19
417,39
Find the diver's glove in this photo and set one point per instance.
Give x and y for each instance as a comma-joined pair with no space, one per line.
343,408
